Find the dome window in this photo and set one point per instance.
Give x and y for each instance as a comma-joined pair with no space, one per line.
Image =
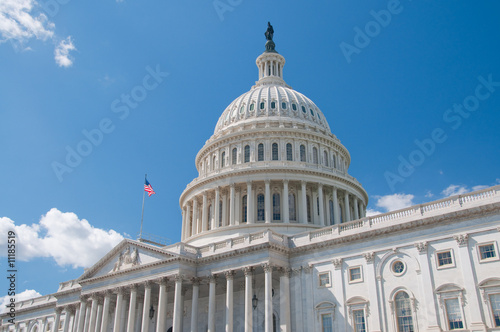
294,107
319,118
275,151
312,113
283,105
304,110
252,106
260,152
242,109
247,153
262,105
273,104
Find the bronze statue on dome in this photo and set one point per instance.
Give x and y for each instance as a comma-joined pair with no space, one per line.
270,31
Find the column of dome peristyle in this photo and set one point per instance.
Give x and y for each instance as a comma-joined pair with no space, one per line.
270,68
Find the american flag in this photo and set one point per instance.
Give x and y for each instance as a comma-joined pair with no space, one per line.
148,188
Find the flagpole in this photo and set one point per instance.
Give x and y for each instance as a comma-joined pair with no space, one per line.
142,215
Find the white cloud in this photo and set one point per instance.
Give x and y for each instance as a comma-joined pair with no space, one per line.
394,202
371,212
61,236
26,295
18,22
61,53
429,194
454,189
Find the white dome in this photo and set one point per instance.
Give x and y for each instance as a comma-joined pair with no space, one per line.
271,102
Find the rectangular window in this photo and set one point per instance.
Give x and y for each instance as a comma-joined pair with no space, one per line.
359,320
324,279
487,251
444,258
326,323
454,314
355,274
495,308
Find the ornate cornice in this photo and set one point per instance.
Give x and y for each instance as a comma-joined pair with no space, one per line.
421,247
462,239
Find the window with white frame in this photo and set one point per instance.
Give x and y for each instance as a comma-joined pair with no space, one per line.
487,252
355,274
444,259
490,290
495,308
324,279
359,323
403,312
327,323
454,314
325,314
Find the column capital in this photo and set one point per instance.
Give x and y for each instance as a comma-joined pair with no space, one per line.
162,281
296,271
179,278
462,239
119,290
248,270
421,247
70,309
285,271
337,263
231,185
94,296
369,256
133,287
195,281
267,267
307,268
212,278
286,181
148,283
229,274
84,298
58,310
320,185
303,182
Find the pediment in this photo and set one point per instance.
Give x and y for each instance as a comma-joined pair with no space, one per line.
127,255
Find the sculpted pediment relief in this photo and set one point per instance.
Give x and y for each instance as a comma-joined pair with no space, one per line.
127,259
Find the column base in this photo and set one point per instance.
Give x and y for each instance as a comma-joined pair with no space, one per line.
477,327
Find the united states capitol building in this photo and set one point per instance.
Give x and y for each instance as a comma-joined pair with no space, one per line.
275,237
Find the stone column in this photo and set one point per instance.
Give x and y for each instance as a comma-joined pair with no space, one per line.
356,207
321,205
216,208
224,210
248,271
93,313
57,319
81,318
131,309
146,306
303,202
118,310
105,311
286,208
211,302
67,317
231,204
285,318
162,305
427,287
178,310
346,207
338,289
87,320
250,219
229,300
194,305
204,213
189,227
336,218
268,297
372,291
477,323
44,325
183,231
194,229
99,316
267,205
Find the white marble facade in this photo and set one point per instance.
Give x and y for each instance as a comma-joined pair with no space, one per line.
275,238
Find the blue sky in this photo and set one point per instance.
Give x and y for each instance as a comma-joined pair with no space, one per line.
399,82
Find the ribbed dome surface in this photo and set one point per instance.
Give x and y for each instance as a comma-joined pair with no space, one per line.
271,102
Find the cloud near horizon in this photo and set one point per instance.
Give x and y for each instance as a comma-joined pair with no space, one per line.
61,236
23,296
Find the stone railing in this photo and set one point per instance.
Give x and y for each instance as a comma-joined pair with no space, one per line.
408,214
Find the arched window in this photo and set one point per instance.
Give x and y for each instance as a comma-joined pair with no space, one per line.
325,158
223,159
308,203
291,207
234,156
260,207
220,214
403,312
214,163
302,153
247,153
334,162
289,153
330,206
275,151
244,208
315,155
260,152
276,207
